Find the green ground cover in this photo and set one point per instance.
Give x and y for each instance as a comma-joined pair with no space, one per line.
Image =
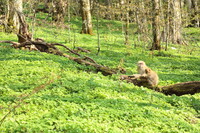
81,100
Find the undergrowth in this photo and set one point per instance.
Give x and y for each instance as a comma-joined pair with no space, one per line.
82,100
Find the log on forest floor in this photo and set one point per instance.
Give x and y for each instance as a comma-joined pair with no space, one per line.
42,46
178,89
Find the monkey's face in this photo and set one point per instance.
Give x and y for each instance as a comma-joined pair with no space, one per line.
141,64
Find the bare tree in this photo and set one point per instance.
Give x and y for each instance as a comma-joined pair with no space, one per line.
173,14
156,25
59,10
127,19
141,18
16,21
195,13
86,17
2,6
12,19
176,23
108,14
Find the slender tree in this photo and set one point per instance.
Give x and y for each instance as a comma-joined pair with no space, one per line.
141,18
195,20
176,23
156,25
108,14
86,17
2,6
127,19
59,10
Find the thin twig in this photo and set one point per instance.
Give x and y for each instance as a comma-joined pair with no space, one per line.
21,100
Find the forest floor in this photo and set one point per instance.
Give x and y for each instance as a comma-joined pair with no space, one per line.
41,92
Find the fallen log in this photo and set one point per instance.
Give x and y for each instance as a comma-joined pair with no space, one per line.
105,70
42,46
178,89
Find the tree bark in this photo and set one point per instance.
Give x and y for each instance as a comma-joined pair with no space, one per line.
108,14
195,15
127,19
12,19
141,18
176,24
59,11
2,6
86,17
16,21
23,33
156,25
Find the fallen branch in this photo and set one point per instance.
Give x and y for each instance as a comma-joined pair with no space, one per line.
105,70
73,52
11,42
51,48
82,50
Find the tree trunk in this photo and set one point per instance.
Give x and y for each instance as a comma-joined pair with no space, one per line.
195,15
156,25
176,23
141,18
23,33
166,32
108,9
16,21
127,19
2,7
12,19
187,17
173,21
59,11
127,29
86,17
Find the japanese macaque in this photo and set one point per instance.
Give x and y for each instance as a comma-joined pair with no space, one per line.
144,71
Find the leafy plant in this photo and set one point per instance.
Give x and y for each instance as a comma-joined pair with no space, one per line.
82,100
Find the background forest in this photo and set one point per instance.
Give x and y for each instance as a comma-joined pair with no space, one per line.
61,61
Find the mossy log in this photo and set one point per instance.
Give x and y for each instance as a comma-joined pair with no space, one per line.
178,89
42,46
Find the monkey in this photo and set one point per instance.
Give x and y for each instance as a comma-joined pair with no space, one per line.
141,66
152,77
144,71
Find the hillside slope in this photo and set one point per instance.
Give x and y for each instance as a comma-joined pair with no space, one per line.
81,100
